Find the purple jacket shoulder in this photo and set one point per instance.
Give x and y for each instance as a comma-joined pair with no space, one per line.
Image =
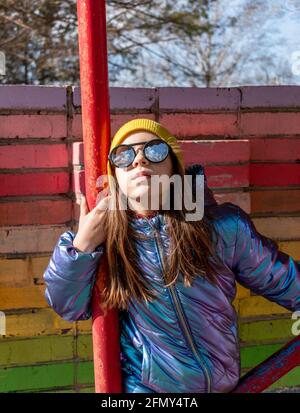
259,265
70,277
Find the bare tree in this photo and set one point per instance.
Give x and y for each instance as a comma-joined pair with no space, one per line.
231,45
150,42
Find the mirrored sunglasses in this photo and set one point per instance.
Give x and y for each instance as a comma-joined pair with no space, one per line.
155,151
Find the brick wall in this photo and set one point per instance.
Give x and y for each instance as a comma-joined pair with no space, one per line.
248,140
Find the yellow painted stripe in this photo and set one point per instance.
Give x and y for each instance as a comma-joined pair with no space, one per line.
257,306
291,248
22,271
242,292
287,228
26,297
42,322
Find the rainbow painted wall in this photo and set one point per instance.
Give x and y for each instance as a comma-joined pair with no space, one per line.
247,138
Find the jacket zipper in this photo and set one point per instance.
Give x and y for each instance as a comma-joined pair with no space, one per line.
187,332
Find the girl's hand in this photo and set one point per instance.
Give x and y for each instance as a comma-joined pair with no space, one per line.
92,228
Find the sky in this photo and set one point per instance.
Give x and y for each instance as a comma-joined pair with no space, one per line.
289,26
283,25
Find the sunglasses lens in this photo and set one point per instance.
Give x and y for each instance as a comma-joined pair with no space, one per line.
156,151
122,156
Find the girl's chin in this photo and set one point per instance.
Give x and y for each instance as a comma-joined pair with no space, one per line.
138,199
141,193
138,203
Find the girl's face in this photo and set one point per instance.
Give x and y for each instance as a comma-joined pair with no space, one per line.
139,188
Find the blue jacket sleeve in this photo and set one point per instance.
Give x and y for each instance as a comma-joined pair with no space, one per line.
70,277
260,266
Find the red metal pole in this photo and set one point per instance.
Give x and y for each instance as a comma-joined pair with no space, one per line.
94,88
270,370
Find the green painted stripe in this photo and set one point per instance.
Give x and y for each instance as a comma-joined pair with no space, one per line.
36,377
45,376
57,375
52,378
36,350
254,355
259,331
44,349
85,372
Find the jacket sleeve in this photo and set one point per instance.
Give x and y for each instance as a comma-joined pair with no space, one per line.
260,266
70,277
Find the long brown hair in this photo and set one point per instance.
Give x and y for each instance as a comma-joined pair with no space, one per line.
191,246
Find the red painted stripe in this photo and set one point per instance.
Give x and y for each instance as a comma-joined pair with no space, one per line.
34,183
231,176
270,123
217,176
284,149
274,174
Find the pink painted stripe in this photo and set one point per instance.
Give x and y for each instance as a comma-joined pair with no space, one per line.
40,212
211,151
33,156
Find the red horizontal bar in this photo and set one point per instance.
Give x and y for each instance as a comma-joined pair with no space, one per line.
270,370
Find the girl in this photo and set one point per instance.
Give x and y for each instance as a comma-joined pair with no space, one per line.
173,280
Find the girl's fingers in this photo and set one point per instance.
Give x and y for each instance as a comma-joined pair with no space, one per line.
103,204
102,195
84,210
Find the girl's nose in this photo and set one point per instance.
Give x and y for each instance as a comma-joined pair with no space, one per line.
140,159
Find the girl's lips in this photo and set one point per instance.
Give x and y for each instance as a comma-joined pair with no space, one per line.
141,178
142,174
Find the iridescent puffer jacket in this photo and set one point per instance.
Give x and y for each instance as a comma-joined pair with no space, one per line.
186,340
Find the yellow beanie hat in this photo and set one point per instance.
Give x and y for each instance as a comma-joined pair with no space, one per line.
149,126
